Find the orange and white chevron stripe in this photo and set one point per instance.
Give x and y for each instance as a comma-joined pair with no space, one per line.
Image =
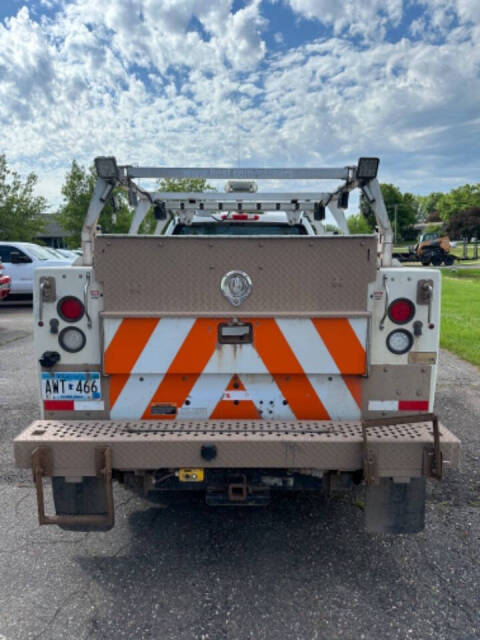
295,368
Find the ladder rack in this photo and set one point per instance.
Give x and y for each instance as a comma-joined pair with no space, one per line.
361,176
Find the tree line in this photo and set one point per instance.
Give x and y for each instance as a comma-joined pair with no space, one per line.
21,210
457,211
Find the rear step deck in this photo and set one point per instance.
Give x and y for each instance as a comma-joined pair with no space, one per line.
398,450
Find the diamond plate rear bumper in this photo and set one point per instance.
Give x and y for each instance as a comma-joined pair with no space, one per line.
327,445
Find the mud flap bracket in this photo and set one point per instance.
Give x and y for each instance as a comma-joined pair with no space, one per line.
432,455
42,465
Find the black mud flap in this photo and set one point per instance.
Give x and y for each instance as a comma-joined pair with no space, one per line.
88,497
392,507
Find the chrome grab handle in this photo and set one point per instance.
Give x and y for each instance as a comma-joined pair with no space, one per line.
85,299
40,306
382,321
428,288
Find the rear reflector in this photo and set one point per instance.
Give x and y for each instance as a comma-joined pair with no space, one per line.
413,405
73,405
58,405
398,405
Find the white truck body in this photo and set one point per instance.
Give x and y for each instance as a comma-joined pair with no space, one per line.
235,350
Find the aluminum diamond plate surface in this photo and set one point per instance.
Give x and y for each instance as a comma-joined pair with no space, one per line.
300,444
183,274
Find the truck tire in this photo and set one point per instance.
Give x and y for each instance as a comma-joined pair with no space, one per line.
426,259
85,497
437,259
448,259
392,507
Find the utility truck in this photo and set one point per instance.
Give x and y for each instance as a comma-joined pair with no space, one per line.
238,350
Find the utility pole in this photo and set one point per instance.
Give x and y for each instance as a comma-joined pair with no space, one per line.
395,209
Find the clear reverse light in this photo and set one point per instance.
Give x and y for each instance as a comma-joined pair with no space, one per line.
72,339
399,341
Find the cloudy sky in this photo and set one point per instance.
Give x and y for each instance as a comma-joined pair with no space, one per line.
248,82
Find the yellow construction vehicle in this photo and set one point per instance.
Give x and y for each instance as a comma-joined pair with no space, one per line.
433,247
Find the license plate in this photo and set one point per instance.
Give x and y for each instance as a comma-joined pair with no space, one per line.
75,385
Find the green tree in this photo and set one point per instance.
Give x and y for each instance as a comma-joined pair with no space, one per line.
20,210
182,185
185,185
77,191
402,209
428,205
465,224
458,200
358,224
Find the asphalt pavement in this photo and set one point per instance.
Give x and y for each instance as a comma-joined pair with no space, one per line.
302,568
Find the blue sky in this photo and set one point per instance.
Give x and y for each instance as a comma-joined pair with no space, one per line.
258,82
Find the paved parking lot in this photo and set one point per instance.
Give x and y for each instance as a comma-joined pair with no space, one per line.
301,568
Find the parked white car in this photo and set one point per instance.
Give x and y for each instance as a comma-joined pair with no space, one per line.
68,254
20,259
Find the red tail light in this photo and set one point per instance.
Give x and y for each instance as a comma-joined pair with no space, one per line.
70,309
401,311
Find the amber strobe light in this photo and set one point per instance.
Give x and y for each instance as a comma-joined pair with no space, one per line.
70,309
401,311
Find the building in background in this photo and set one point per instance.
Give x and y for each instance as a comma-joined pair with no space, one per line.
53,234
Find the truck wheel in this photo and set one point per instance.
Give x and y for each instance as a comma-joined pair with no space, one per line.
85,497
392,507
425,260
437,259
448,259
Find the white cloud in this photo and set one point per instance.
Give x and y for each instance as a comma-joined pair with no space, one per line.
367,18
193,83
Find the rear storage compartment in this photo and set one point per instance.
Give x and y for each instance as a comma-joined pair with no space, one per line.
176,348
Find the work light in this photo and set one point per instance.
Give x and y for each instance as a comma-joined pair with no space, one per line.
367,168
106,167
241,186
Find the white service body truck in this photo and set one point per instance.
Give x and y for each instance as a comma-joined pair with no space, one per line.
238,350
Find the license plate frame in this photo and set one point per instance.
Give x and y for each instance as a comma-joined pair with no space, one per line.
71,385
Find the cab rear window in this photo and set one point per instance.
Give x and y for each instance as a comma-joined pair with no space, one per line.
239,229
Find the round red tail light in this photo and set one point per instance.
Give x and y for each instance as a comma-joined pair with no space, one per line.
70,309
401,311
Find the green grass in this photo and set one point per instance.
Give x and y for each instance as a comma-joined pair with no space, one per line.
458,251
460,326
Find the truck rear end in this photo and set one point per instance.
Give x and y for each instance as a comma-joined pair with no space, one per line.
237,364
